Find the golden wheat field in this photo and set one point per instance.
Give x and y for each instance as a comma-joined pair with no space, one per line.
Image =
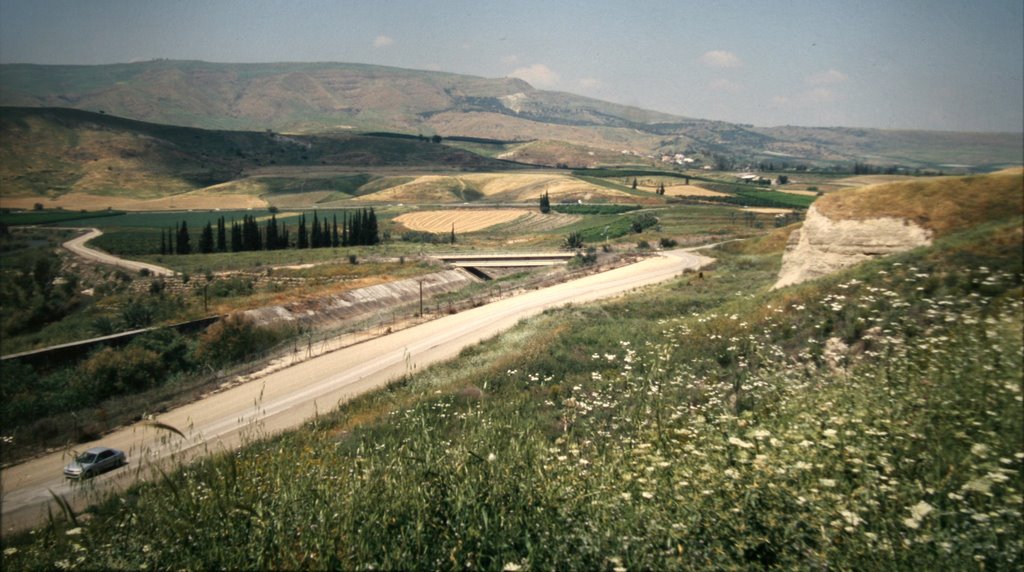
462,220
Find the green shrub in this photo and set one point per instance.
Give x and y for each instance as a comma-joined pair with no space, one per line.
118,371
233,339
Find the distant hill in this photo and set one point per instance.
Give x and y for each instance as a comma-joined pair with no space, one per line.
317,98
54,151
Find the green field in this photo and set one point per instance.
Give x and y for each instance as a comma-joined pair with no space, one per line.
56,217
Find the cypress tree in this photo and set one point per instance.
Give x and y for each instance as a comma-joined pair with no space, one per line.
303,241
315,238
163,242
206,239
236,237
374,237
355,232
335,241
222,243
183,241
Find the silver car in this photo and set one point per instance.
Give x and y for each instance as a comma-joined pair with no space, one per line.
93,462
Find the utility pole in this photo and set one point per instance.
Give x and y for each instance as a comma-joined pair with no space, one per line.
421,297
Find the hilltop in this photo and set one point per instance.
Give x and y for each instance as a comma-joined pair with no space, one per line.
339,97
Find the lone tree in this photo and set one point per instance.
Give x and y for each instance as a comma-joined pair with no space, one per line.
545,203
573,241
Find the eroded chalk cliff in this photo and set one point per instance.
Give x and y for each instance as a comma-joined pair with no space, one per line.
823,245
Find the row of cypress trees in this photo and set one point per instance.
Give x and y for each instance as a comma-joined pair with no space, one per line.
357,228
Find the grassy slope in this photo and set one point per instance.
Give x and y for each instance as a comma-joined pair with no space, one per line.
870,419
57,151
941,205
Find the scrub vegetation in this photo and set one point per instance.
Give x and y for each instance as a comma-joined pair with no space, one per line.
871,419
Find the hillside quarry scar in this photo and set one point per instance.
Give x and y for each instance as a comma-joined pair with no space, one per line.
823,245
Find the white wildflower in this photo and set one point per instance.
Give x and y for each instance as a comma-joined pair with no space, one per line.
851,518
740,443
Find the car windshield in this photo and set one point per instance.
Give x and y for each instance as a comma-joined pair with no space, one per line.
86,458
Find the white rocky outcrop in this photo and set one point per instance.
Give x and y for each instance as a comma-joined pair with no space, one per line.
823,245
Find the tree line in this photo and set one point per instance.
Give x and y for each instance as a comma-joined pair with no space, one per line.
355,228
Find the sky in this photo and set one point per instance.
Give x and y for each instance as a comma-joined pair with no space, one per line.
947,65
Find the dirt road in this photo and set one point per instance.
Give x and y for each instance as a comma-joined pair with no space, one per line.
77,245
286,398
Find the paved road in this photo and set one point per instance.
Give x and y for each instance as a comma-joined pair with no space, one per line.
77,245
286,398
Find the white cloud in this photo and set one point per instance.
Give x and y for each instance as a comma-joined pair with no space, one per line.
537,75
724,85
720,59
830,77
382,41
820,95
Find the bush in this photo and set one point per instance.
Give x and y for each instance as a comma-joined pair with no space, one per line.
667,242
643,222
112,372
234,286
233,339
573,241
585,259
416,236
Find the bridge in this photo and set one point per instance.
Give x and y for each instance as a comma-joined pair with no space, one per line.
505,260
474,263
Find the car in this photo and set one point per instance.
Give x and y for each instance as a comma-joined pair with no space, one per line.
94,461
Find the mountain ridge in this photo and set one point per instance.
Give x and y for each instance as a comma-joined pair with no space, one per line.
318,97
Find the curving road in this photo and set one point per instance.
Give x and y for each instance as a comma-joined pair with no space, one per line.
77,246
286,398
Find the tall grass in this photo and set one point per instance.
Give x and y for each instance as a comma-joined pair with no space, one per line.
870,420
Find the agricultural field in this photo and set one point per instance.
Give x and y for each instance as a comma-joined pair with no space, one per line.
473,220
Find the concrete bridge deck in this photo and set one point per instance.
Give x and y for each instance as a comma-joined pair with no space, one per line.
504,260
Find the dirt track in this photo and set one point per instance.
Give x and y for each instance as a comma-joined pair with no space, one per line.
286,398
77,246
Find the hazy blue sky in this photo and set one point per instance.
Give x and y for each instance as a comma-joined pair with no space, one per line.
935,64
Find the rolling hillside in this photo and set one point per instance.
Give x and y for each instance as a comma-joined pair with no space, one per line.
336,97
55,153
